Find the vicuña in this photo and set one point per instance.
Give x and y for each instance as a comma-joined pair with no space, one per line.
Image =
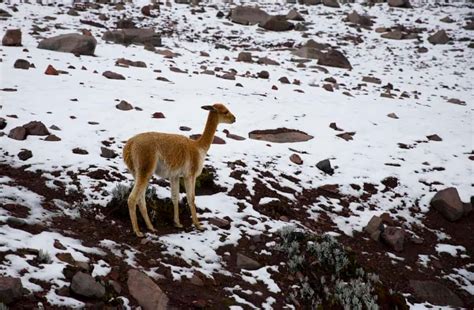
170,156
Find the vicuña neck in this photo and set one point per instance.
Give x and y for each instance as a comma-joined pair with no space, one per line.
208,135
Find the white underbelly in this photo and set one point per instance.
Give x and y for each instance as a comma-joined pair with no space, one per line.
162,170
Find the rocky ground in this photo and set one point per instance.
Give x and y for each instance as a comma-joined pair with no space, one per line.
345,182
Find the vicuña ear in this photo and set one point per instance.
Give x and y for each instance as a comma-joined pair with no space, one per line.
208,108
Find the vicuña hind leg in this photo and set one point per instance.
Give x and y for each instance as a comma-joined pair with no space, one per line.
175,198
141,182
143,211
190,183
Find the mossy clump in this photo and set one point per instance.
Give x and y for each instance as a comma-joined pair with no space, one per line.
205,183
160,210
329,275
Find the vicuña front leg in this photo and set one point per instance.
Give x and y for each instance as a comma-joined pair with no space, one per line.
175,199
190,183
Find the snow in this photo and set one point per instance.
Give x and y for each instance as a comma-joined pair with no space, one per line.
263,275
450,249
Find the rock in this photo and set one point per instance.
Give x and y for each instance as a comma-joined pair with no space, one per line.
447,19
72,12
393,35
334,126
244,57
158,115
331,3
294,15
221,223
70,43
374,228
196,280
85,285
434,138
3,123
21,64
184,128
334,58
456,101
435,293
126,63
17,133
11,289
394,237
328,87
4,14
52,138
146,292
371,79
146,10
267,61
467,207
216,139
440,37
247,15
356,18
227,76
280,135
310,2
296,159
233,136
325,166
107,153
36,128
392,115
113,76
12,37
399,3
79,151
124,106
263,74
469,25
448,203
142,36
50,70
125,24
277,23
284,80
346,136
25,155
311,49
244,262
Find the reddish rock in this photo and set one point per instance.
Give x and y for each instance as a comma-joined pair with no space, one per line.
244,57
374,228
17,133
328,87
124,106
221,223
53,138
146,292
334,58
11,289
284,80
158,115
113,76
79,151
399,3
280,135
12,38
263,74
392,115
434,138
346,136
36,128
440,37
25,155
51,71
371,79
296,159
21,64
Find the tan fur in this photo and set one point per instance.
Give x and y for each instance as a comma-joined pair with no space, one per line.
170,156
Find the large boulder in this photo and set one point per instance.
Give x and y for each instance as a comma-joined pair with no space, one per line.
334,58
247,15
147,293
144,36
70,43
11,289
12,38
394,237
294,15
277,23
435,293
356,18
311,49
440,37
84,284
331,3
36,128
448,203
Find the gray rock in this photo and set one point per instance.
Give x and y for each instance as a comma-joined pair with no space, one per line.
221,223
85,285
107,153
113,75
280,135
124,106
276,23
448,203
356,18
11,289
3,123
294,15
325,166
70,43
435,293
12,37
25,155
21,64
147,293
142,36
440,37
247,15
374,228
244,262
331,3
394,237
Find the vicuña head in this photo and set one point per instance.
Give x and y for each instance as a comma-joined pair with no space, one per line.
173,157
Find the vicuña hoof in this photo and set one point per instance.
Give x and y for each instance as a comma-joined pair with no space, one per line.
178,225
139,234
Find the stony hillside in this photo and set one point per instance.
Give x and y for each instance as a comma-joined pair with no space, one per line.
345,183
